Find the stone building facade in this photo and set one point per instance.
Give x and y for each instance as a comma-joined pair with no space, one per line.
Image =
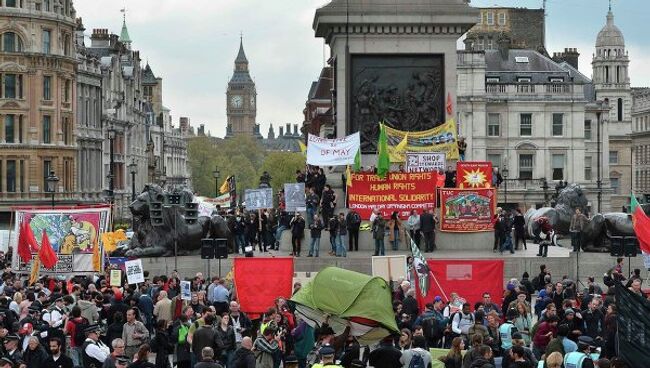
319,108
525,28
37,107
641,143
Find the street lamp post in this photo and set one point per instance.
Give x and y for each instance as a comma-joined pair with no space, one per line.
111,173
545,188
505,172
216,174
52,181
133,168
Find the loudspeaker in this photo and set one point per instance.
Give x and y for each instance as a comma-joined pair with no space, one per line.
207,248
616,249
221,248
630,246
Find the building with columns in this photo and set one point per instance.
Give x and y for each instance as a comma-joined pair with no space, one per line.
38,69
641,143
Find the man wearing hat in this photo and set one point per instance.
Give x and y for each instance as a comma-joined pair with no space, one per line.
11,347
94,352
581,358
6,363
327,357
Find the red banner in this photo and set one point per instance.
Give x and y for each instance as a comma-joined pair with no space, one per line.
474,174
468,278
259,281
467,210
401,192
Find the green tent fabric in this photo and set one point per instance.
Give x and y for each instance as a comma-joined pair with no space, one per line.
344,295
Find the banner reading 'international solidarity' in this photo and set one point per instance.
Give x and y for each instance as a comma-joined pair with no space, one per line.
439,139
401,192
332,152
467,210
474,174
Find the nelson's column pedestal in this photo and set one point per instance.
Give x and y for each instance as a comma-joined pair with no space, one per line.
392,62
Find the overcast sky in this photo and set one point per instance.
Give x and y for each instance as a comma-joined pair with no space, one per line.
192,46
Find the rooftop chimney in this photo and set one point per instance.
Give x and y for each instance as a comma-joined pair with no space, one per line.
281,133
504,45
295,130
288,129
99,38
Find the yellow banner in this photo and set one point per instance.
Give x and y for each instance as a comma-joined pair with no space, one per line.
442,138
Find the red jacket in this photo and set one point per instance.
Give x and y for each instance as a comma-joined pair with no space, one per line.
540,339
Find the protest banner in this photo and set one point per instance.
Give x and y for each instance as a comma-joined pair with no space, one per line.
260,281
332,152
186,292
474,174
258,199
425,161
72,233
294,197
116,278
390,268
401,192
134,271
439,139
467,210
207,204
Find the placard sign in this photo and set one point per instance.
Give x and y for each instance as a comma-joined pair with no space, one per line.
294,197
116,278
425,161
134,271
258,199
186,293
467,210
332,152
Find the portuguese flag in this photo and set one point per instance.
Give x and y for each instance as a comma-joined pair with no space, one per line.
641,224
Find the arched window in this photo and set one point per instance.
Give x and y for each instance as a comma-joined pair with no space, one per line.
11,42
620,109
618,74
606,74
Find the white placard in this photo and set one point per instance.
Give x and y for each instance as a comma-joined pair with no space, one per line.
294,197
258,199
332,152
390,268
425,161
134,271
186,293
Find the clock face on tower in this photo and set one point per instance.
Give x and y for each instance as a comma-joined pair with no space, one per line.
237,101
253,101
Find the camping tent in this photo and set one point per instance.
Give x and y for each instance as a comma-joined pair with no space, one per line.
346,296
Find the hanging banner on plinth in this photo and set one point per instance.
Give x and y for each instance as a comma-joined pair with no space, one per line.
425,161
467,210
332,152
401,192
72,233
474,174
442,138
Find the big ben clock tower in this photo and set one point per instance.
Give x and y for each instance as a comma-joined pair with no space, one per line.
241,107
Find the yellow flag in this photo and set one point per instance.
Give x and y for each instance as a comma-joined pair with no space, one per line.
303,148
225,187
97,259
401,146
348,176
36,269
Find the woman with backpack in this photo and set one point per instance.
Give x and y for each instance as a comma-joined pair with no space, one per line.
161,345
179,337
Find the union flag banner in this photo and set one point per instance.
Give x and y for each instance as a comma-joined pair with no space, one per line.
467,210
474,174
401,192
259,281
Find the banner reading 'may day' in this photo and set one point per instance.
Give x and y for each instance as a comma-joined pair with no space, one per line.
332,152
401,192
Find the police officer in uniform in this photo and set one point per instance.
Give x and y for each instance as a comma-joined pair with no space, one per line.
507,329
6,363
582,357
327,358
94,352
13,352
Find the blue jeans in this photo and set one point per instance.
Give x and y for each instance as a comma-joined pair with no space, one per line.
240,240
379,247
507,244
314,247
395,242
333,243
310,216
75,355
278,233
341,241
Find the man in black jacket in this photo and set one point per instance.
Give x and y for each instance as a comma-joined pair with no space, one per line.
207,359
386,355
427,227
353,222
244,357
205,337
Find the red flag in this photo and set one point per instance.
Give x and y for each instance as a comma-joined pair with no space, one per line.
450,106
259,281
46,253
29,237
642,229
24,251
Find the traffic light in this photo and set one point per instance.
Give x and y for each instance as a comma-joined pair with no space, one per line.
191,212
173,199
156,213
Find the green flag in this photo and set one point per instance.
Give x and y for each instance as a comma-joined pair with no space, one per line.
357,161
383,158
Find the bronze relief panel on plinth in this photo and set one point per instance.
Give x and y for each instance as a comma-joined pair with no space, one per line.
404,91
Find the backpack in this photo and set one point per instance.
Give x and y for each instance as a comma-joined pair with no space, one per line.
432,328
182,334
355,218
416,361
79,331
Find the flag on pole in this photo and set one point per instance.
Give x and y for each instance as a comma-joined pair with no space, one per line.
97,259
383,157
641,224
421,269
46,254
303,148
23,249
450,105
225,187
357,161
348,177
401,146
36,269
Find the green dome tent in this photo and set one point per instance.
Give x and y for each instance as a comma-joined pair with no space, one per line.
348,297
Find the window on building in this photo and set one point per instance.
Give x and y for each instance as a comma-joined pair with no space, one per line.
613,157
67,86
556,79
490,18
492,80
47,87
557,164
47,168
558,125
47,129
525,166
66,131
66,45
11,176
9,82
46,5
588,129
11,42
606,74
46,39
619,109
502,19
587,167
22,176
526,125
490,44
480,18
616,185
480,44
495,159
523,79
9,128
20,129
494,125
11,3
